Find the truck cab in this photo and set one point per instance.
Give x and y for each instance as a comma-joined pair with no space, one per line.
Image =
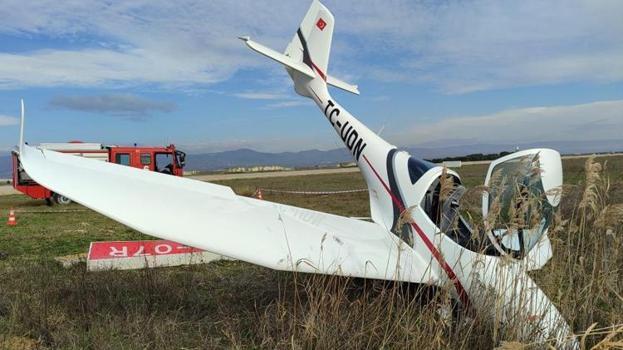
166,160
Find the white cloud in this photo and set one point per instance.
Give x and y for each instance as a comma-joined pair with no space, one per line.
168,43
6,120
464,46
96,66
600,120
457,46
289,104
258,95
280,99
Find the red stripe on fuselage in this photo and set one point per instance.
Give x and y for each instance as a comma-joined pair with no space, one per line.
322,75
436,253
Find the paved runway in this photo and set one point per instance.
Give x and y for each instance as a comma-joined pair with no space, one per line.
8,189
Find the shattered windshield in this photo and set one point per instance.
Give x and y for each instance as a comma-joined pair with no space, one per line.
518,212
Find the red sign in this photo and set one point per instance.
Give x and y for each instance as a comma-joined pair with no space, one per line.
321,24
134,249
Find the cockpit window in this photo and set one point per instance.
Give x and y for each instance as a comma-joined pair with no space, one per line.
417,168
442,203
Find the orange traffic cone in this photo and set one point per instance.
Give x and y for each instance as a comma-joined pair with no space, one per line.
258,194
12,221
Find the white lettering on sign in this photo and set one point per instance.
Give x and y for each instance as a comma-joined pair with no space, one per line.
163,249
137,249
121,253
140,251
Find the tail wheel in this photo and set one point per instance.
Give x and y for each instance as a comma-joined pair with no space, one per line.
60,199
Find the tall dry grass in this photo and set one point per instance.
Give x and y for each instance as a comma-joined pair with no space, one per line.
584,279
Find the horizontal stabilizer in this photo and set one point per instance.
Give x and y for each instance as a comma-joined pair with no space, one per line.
298,66
279,57
342,85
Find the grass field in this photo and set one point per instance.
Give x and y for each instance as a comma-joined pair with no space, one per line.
238,305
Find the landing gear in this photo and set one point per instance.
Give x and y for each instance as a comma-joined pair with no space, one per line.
60,199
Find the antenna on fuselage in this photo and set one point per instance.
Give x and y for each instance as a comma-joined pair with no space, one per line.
21,126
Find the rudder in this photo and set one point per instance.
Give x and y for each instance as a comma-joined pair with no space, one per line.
312,42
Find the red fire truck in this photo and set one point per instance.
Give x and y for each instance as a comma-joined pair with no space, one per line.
166,160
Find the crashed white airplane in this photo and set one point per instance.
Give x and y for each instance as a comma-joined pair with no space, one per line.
416,234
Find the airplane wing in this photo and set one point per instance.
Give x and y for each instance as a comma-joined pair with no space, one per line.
214,218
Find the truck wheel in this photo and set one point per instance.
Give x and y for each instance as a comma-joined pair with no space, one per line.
60,199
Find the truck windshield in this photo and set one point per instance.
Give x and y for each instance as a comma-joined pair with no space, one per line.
164,163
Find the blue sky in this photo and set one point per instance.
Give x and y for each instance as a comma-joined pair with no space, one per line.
458,72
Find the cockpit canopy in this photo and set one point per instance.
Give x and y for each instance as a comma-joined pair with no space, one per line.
522,191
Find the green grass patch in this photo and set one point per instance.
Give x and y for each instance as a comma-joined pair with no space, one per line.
238,305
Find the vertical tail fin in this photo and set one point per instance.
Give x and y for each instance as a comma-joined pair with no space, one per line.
312,42
307,56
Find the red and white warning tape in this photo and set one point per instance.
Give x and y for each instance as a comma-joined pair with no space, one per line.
313,192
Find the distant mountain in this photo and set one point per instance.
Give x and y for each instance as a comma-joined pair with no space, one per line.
564,147
247,157
311,158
